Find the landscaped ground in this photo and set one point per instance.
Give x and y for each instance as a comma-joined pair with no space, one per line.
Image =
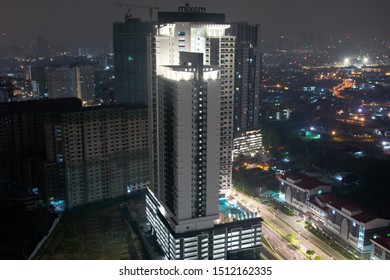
97,232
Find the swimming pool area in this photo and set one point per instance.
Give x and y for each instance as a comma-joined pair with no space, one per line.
233,210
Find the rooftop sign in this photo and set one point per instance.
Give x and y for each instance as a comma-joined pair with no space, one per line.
188,9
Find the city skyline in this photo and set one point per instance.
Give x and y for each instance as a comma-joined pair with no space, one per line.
179,135
76,23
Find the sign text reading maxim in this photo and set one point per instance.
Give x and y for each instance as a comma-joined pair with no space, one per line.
188,9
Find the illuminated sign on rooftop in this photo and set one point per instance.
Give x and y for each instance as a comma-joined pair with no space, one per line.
188,9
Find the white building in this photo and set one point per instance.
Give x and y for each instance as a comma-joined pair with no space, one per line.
187,105
345,218
299,189
186,179
380,249
354,224
218,50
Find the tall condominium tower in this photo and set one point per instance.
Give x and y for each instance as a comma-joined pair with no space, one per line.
246,77
130,63
208,38
186,125
191,109
71,81
22,140
74,155
95,153
61,81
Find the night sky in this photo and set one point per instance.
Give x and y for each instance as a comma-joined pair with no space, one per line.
89,22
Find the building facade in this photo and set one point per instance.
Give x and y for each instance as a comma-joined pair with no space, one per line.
380,249
246,76
85,82
96,154
298,189
130,60
71,81
248,143
353,224
346,219
22,140
218,50
73,155
61,81
191,113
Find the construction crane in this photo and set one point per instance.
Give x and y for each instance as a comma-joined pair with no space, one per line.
128,15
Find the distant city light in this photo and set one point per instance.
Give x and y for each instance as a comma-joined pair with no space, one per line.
347,61
365,60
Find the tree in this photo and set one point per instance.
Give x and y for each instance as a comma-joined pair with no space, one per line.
310,253
292,239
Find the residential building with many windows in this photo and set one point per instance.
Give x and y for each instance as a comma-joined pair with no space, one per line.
96,153
130,60
187,97
248,143
219,49
71,81
246,76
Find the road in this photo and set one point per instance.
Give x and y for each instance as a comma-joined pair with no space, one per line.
280,246
285,225
339,88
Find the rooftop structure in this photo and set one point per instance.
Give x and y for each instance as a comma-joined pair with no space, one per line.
298,189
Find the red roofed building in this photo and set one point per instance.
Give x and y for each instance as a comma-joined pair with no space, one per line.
354,224
380,249
348,220
298,189
318,206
